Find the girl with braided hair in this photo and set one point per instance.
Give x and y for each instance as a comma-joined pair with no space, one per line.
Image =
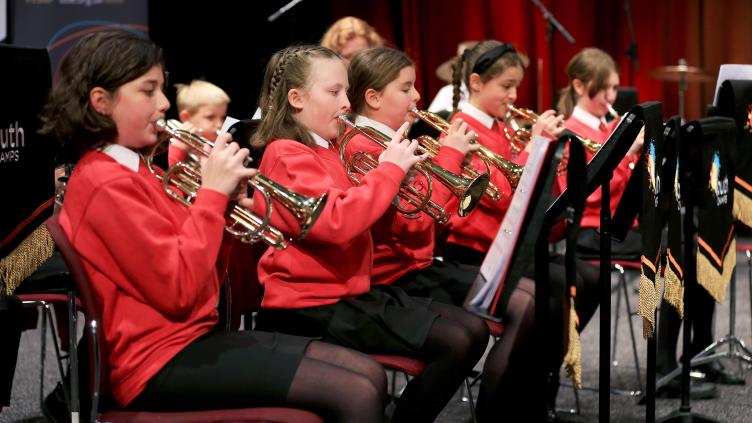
321,286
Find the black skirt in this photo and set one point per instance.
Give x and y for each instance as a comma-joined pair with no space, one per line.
383,320
443,282
226,370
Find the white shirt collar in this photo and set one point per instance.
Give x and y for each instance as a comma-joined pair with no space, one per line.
479,115
321,142
123,155
361,120
587,118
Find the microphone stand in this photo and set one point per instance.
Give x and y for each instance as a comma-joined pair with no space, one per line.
631,53
282,10
553,23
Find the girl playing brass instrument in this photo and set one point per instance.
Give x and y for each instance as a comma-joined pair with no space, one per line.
586,101
493,71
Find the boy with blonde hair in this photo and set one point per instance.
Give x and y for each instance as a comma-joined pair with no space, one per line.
202,107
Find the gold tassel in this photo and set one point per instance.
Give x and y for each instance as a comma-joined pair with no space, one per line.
26,258
674,289
573,357
713,281
648,304
742,210
659,285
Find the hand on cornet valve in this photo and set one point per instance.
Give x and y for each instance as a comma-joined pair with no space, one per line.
401,151
459,137
223,170
549,124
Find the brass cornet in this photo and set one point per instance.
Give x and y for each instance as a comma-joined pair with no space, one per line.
517,129
512,172
516,120
468,191
246,226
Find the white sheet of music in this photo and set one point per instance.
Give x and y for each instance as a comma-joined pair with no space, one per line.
731,72
229,121
496,264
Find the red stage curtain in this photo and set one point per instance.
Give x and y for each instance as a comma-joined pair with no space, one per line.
706,33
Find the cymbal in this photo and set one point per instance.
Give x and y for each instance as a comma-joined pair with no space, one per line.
680,73
444,70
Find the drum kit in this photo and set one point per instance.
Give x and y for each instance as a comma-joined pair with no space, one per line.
683,74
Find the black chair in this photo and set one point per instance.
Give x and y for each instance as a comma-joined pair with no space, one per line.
626,98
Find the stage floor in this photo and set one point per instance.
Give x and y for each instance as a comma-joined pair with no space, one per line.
734,403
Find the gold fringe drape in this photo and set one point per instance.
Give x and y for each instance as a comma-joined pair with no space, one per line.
573,357
716,283
742,210
25,258
674,284
649,294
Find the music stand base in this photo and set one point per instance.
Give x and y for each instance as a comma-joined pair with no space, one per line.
680,416
737,350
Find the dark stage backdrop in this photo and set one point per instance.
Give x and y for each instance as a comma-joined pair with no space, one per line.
228,42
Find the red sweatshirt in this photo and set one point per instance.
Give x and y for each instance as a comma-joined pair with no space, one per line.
334,260
175,154
151,262
591,214
403,244
478,229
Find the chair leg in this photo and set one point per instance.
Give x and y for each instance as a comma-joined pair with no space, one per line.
749,281
42,353
47,318
631,330
471,401
614,335
73,361
393,390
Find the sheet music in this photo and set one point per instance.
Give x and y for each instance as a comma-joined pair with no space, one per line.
731,72
497,261
229,121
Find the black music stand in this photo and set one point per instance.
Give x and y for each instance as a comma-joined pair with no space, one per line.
598,173
693,181
631,202
670,135
496,300
489,298
734,100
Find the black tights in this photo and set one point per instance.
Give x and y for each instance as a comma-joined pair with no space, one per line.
454,344
507,365
232,370
341,384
